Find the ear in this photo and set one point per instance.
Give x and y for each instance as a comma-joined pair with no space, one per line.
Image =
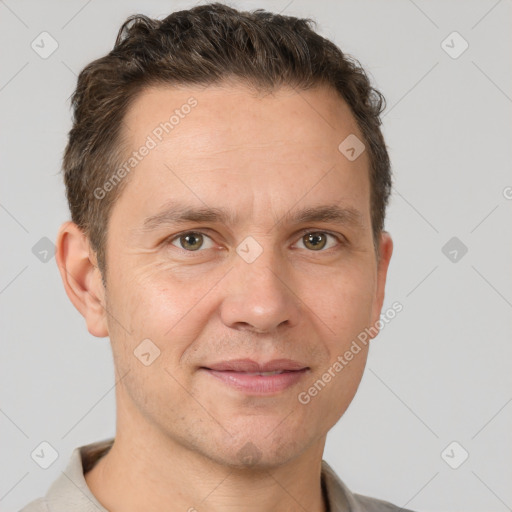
385,252
81,277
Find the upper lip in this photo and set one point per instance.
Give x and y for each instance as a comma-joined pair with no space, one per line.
250,366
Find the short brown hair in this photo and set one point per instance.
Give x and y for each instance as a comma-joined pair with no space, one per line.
205,45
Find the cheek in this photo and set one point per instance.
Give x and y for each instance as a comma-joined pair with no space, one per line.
327,395
166,310
343,299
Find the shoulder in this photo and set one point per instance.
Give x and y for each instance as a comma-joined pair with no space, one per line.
368,504
69,492
38,505
341,499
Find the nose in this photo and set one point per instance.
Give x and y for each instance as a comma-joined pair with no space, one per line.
260,297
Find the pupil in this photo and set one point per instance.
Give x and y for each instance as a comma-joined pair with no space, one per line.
317,240
189,240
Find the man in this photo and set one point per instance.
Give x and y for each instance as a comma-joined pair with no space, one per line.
227,180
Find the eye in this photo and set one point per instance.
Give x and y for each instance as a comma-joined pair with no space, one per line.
318,240
191,241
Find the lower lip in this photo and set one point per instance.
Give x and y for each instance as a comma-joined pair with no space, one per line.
258,384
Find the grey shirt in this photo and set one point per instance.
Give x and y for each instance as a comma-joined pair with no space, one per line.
69,492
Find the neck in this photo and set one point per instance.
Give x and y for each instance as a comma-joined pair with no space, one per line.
145,470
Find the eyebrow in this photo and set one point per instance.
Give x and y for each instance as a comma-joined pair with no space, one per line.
177,213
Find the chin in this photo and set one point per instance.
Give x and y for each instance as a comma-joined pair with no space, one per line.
261,452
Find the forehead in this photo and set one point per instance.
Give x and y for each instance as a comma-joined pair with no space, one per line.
227,116
228,142
239,102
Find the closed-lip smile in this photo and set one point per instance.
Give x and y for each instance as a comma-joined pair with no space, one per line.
256,378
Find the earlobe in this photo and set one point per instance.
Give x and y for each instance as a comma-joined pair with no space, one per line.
81,277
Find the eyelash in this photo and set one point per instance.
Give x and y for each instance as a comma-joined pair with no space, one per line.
340,239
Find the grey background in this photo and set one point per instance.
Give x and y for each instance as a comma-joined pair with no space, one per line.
439,372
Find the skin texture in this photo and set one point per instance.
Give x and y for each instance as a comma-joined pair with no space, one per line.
180,430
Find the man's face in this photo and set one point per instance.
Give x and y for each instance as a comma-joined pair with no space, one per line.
195,290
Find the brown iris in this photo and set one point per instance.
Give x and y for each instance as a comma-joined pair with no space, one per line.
315,241
193,240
